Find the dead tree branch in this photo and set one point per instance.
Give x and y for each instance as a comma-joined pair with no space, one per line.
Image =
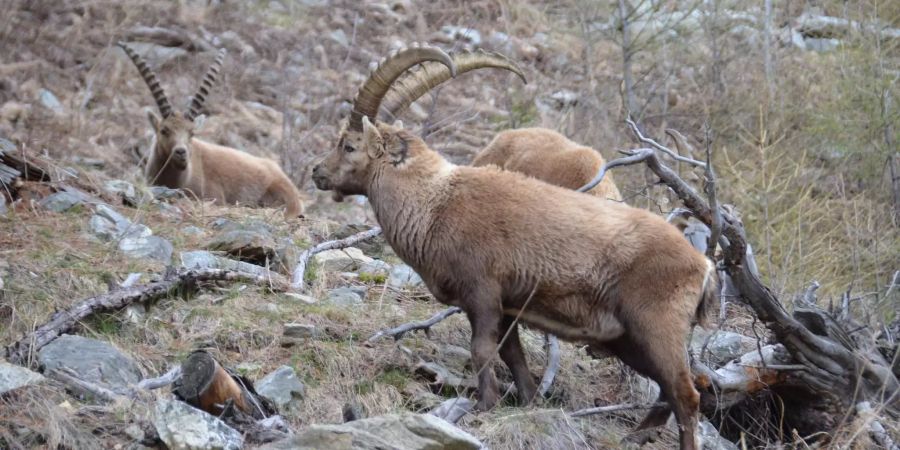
615,408
649,141
303,260
832,367
164,380
716,227
398,332
553,358
63,321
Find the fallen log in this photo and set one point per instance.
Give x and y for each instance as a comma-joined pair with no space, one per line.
20,352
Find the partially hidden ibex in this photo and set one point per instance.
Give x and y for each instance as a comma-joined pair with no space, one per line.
207,170
505,248
538,152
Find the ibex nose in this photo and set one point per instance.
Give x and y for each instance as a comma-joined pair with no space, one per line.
180,151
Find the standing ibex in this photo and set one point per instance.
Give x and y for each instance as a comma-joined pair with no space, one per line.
506,248
207,170
538,152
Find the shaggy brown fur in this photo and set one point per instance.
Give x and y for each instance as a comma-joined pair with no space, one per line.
548,156
499,245
215,172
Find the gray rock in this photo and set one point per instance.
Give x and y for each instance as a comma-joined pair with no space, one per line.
192,230
453,409
375,267
469,36
63,201
130,195
3,209
345,260
156,55
205,260
346,296
712,440
164,193
182,427
307,299
49,101
644,389
149,247
92,360
171,211
255,243
408,431
299,330
14,377
404,277
723,346
282,387
108,225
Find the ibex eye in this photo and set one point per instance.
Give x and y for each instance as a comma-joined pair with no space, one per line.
165,132
349,149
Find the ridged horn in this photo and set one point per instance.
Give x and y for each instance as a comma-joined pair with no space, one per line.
159,94
413,86
209,80
369,97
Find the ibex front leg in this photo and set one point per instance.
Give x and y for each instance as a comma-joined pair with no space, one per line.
482,306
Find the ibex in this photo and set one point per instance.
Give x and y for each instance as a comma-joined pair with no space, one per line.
505,248
538,152
207,170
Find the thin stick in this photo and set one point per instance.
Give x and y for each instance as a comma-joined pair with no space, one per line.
303,260
161,381
716,228
660,147
553,357
399,331
615,408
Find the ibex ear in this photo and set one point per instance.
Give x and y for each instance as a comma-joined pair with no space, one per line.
199,121
372,139
154,119
396,145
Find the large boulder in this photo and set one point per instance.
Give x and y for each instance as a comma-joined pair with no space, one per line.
92,360
182,427
254,242
408,431
345,260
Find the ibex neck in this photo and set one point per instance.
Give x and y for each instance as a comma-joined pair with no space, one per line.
160,172
406,200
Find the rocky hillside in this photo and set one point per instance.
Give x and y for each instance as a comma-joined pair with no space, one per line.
140,277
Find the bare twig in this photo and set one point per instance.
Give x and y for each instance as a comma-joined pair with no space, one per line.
660,147
398,332
64,321
553,357
615,408
70,378
162,381
636,157
716,227
303,260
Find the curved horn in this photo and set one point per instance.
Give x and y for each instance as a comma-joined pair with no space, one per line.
416,84
159,94
209,80
368,99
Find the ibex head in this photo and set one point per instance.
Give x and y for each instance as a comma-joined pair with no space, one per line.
366,144
174,129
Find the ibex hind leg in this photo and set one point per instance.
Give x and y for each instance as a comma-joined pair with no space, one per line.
514,357
661,356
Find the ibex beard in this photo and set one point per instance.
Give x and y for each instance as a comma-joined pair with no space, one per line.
505,247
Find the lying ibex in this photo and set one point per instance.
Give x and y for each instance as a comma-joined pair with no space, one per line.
506,248
207,170
548,156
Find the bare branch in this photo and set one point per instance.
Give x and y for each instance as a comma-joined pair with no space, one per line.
553,356
70,378
398,332
615,408
660,147
636,157
64,321
303,260
162,381
716,228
